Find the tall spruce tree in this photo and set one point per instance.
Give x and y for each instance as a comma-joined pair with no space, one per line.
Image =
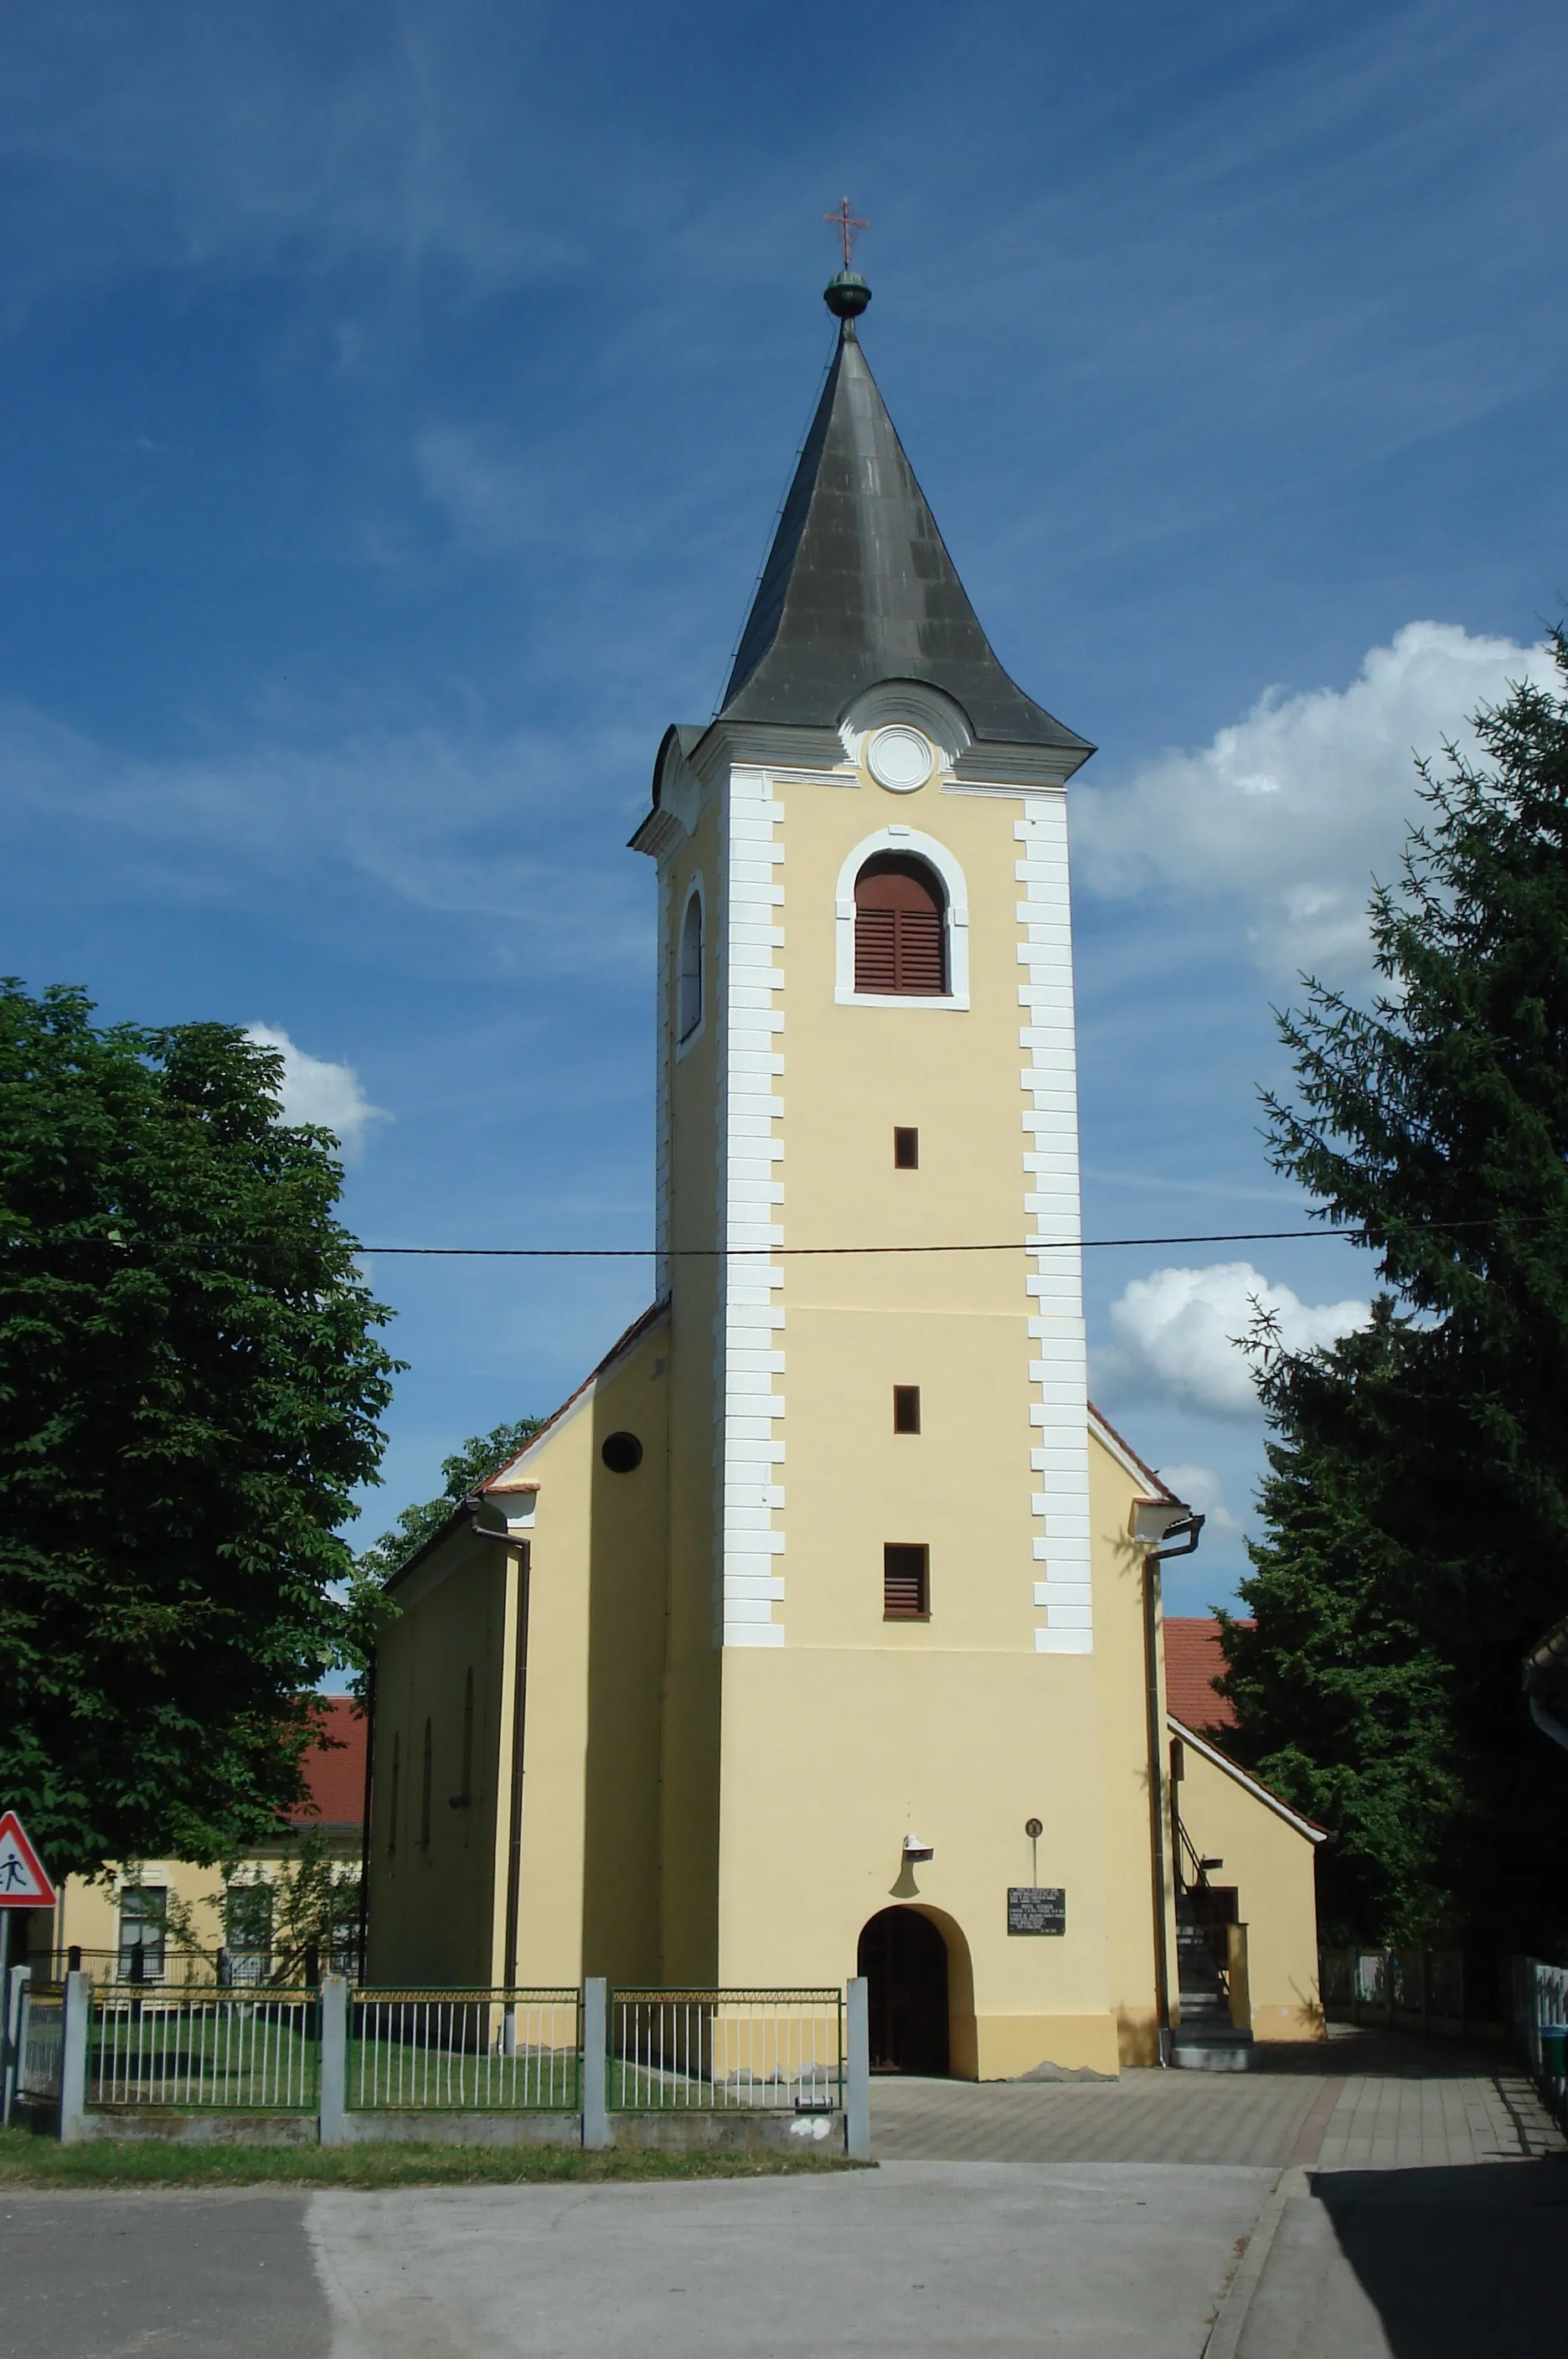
1416,1511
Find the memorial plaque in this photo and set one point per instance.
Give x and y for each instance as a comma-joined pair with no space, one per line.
1036,1908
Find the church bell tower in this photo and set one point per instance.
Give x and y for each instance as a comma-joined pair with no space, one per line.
880,1645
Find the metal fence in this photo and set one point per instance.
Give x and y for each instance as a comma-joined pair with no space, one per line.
163,2046
1540,1998
725,2050
41,2042
465,2051
1411,1988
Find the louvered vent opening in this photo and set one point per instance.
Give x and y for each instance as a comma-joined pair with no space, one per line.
905,1582
900,945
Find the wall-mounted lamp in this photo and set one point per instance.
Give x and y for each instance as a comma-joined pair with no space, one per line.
914,1849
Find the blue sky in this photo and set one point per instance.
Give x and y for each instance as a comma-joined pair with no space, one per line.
397,400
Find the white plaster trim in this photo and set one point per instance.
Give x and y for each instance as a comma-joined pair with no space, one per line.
845,777
897,838
1018,791
695,891
1059,1411
749,1363
1260,1793
1111,1440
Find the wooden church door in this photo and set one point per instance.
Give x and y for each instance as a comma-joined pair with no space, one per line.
904,1959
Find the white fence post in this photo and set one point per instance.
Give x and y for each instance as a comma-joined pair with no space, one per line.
74,2043
334,2092
596,2104
17,1983
857,2067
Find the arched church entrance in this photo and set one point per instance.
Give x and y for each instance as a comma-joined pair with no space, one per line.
904,1959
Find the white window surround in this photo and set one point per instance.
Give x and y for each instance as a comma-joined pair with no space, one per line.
937,856
694,892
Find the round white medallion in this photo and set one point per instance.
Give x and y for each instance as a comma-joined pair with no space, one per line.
900,759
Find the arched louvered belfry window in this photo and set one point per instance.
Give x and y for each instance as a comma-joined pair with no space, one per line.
900,931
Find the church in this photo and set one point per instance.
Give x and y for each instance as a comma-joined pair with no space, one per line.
819,1632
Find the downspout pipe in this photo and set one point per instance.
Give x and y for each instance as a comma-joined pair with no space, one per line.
1187,1527
524,1556
364,1825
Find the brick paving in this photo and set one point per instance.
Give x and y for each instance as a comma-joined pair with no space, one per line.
1357,2100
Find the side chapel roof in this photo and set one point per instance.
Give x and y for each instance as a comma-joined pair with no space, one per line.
859,586
1194,1660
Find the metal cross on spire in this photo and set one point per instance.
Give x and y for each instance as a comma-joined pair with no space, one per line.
846,223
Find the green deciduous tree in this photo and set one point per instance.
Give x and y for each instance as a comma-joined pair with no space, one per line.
189,1388
480,1455
1417,1509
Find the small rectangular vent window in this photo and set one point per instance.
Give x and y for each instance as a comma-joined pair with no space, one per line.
906,1409
905,1150
905,1581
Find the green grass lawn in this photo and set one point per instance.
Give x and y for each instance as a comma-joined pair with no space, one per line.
28,2160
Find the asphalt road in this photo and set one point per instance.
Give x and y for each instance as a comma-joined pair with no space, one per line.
230,2276
1073,2262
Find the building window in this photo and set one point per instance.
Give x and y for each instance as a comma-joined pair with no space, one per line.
144,1933
905,1150
425,1774
906,1409
248,1931
900,934
689,981
397,1787
905,1581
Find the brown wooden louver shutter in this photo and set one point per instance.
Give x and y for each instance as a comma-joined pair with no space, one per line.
899,945
906,1585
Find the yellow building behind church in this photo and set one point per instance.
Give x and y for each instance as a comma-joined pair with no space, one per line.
817,1632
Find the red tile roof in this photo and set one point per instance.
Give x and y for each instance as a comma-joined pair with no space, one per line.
334,1772
1194,1660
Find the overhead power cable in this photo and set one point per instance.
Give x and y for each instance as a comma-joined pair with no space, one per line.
777,1253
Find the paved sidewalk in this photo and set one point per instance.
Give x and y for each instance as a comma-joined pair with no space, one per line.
1355,2098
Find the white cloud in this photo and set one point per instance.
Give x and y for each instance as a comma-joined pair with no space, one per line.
316,1091
1293,811
438,820
1201,1487
1175,1333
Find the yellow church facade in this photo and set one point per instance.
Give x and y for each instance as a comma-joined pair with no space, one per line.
819,1632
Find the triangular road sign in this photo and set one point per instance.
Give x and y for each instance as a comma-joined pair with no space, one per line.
23,1883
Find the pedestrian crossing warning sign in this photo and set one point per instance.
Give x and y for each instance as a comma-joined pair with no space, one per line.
23,1883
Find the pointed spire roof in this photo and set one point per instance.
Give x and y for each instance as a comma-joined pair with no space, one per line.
859,586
